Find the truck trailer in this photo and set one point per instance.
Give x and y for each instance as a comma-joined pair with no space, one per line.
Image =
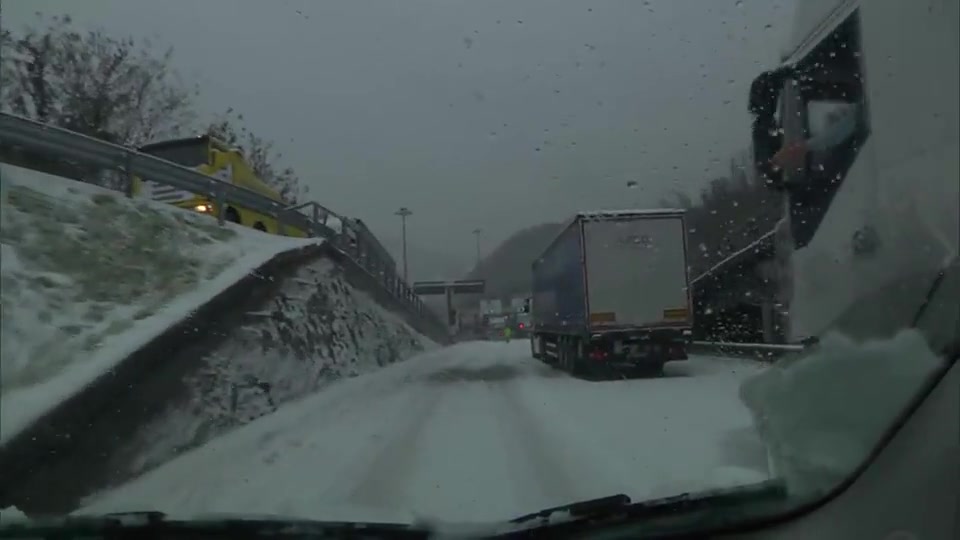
611,293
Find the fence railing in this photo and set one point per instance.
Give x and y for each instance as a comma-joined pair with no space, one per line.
348,235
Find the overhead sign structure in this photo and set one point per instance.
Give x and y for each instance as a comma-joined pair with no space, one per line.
448,289
474,286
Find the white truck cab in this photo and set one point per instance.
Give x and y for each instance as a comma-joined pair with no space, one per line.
873,212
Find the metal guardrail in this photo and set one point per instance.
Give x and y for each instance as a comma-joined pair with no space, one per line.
764,352
361,246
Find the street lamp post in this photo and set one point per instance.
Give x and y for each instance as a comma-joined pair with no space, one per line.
476,232
403,212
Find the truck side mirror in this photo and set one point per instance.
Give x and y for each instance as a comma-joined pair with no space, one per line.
766,133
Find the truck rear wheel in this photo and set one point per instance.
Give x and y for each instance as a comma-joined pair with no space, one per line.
653,369
562,353
232,215
569,359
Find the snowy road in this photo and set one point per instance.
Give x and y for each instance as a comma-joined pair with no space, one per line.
475,432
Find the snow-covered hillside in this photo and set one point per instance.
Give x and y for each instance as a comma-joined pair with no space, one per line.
88,276
315,330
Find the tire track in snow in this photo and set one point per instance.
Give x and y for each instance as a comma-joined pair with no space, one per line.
540,458
385,480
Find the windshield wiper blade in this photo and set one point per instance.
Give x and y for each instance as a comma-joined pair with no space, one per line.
619,508
602,505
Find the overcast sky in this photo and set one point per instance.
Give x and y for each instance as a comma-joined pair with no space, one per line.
496,114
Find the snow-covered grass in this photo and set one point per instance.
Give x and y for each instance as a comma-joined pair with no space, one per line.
471,433
88,276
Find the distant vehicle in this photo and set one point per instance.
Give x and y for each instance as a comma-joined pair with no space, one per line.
215,158
612,292
491,306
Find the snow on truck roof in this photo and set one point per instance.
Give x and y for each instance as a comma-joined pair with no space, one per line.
811,20
634,212
600,214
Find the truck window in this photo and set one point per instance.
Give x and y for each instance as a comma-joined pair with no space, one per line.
189,153
832,117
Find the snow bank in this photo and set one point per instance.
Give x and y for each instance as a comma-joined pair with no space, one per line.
316,330
11,515
282,462
89,275
822,414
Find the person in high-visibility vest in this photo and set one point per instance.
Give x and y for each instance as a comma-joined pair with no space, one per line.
507,331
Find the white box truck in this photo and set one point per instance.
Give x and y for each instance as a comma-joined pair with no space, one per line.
871,230
612,292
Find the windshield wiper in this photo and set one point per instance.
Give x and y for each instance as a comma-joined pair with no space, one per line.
156,525
581,509
617,509
556,522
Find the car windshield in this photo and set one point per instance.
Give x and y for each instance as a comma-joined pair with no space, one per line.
469,260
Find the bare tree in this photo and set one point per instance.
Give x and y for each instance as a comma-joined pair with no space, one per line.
114,89
260,154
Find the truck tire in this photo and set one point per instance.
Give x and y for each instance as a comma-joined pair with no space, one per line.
571,360
562,354
653,369
232,215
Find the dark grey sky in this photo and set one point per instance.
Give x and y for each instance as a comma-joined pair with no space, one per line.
442,105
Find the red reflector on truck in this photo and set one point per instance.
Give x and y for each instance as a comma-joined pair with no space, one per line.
598,355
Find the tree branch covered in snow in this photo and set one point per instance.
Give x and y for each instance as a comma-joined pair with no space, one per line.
733,211
260,154
115,89
119,90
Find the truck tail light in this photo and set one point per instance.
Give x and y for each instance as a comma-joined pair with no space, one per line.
598,355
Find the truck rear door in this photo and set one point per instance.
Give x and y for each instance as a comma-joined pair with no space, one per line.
637,271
